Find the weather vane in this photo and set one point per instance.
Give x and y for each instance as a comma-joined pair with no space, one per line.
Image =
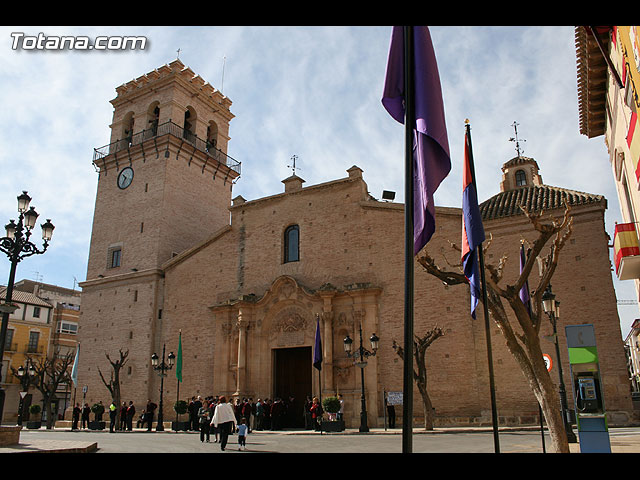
515,139
293,167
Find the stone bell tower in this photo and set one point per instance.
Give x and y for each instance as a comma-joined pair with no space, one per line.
164,185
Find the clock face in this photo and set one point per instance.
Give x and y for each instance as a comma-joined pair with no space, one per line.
125,177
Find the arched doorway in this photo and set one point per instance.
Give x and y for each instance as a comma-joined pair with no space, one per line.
292,382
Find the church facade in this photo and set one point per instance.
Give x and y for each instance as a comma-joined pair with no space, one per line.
244,283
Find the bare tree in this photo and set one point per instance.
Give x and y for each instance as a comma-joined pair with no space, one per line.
113,385
49,374
420,346
522,336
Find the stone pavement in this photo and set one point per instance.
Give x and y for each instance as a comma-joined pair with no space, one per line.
622,441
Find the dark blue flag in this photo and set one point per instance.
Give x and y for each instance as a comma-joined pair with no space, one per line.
472,228
524,291
317,351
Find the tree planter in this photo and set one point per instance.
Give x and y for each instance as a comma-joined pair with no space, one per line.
35,411
95,425
332,425
180,407
180,426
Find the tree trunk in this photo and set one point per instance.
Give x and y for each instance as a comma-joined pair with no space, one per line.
50,419
426,406
535,371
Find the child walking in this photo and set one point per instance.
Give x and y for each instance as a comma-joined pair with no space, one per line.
242,434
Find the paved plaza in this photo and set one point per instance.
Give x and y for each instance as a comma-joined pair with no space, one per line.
623,440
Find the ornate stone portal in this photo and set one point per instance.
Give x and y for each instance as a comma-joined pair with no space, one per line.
265,345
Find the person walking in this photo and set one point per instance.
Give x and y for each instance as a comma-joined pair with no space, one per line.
275,414
259,414
85,415
391,413
246,412
76,416
204,416
123,416
308,422
113,414
193,413
151,407
266,420
212,410
225,419
243,429
316,413
131,411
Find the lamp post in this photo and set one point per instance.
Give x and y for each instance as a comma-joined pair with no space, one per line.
162,368
25,375
360,357
552,308
17,246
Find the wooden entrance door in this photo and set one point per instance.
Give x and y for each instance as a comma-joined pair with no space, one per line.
292,379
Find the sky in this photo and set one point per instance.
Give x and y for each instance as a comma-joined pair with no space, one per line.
312,92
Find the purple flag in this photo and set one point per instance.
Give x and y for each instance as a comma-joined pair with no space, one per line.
431,160
317,351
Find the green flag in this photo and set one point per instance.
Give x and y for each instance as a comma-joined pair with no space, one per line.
179,360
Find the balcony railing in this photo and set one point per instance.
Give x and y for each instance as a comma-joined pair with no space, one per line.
626,251
168,128
34,349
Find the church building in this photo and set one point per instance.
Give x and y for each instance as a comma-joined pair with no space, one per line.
244,283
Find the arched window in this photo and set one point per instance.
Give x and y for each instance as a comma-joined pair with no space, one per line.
153,117
292,244
212,137
521,178
189,133
127,131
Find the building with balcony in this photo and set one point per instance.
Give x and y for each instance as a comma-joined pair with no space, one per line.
608,63
44,325
608,66
28,339
632,345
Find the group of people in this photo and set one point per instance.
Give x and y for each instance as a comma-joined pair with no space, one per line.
259,415
216,415
127,414
80,413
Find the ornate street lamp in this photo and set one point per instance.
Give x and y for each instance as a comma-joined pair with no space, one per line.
16,245
162,368
360,361
552,308
25,375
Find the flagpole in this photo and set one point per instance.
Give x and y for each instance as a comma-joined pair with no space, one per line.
494,414
407,403
179,368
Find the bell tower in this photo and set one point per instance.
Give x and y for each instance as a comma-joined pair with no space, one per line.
164,185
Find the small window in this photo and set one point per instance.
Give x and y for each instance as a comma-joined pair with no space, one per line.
67,327
36,312
9,338
32,346
292,244
521,178
115,258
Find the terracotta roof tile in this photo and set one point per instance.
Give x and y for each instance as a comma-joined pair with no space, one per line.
534,198
24,297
